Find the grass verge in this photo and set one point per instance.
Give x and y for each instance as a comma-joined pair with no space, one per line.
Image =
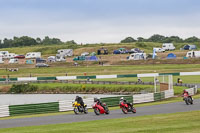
165,123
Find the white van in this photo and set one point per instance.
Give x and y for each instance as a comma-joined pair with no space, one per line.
158,50
137,56
193,54
33,55
168,46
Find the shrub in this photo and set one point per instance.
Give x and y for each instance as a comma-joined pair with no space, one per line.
23,88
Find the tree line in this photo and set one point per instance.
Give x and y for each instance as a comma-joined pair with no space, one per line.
29,41
161,39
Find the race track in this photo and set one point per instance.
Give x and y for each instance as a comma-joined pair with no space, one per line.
68,118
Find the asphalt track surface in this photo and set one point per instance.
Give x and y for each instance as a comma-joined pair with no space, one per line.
69,118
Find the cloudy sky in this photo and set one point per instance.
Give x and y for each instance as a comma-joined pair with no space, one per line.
96,21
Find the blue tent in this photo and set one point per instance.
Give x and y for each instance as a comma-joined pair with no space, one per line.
171,56
91,58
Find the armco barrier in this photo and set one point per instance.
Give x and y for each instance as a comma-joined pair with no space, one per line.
33,108
114,101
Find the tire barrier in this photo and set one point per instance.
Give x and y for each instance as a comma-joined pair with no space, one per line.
114,101
33,108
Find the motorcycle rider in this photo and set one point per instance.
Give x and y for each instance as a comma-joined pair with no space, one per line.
185,91
124,101
80,101
98,101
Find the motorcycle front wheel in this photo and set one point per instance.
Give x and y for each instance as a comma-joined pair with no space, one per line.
76,111
124,110
186,101
96,111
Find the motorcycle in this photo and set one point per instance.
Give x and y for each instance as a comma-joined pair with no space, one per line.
188,99
98,109
127,108
78,108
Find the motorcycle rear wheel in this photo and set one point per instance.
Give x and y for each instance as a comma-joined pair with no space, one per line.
85,110
107,110
133,110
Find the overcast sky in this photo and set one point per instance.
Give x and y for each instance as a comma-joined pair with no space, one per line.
96,21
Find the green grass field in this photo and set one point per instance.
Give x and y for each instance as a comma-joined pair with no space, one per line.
100,70
165,123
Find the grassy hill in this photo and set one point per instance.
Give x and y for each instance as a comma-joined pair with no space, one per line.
47,50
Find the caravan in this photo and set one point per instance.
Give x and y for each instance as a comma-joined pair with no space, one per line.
193,54
65,52
168,46
137,56
33,55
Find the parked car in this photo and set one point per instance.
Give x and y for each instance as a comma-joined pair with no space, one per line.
20,56
41,65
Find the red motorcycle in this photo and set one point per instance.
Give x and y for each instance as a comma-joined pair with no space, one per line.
98,109
187,98
127,107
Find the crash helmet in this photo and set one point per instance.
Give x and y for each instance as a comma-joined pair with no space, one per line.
77,97
95,99
122,98
184,91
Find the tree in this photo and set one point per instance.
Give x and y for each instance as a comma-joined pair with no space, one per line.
38,40
71,42
156,38
140,39
192,39
128,40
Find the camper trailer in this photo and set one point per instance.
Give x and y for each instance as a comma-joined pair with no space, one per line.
137,56
33,55
4,54
65,52
193,54
168,46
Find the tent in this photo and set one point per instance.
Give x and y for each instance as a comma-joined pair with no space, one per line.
91,58
171,56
